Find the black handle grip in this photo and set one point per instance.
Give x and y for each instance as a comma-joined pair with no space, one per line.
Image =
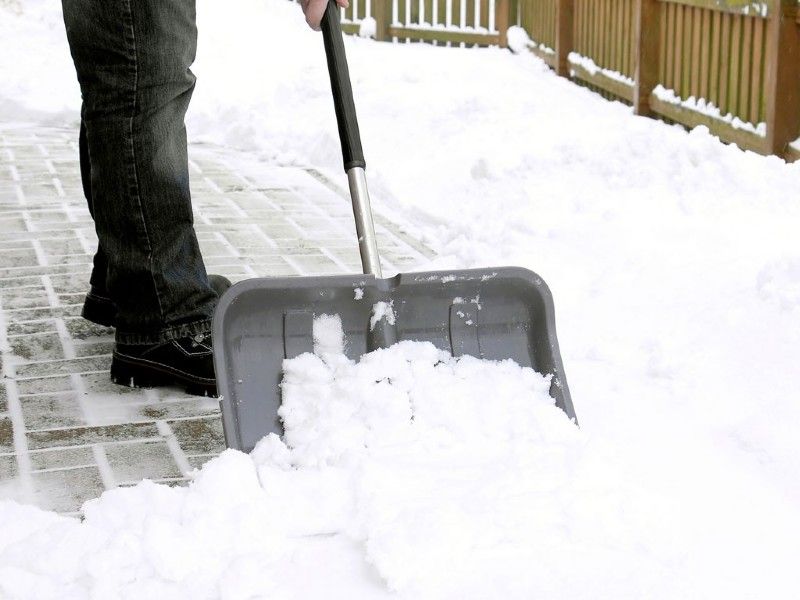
340,86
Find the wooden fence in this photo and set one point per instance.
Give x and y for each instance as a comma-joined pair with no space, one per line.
732,65
480,22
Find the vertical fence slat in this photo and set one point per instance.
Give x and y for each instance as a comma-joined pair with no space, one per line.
735,64
714,67
629,38
686,65
596,11
607,25
756,91
705,53
624,30
747,69
697,28
607,57
672,10
724,63
677,75
662,43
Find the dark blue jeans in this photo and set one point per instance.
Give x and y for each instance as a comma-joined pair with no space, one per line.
132,58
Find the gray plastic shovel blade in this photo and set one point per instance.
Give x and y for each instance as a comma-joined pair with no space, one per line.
488,313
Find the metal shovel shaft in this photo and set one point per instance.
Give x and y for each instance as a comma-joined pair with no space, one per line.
365,228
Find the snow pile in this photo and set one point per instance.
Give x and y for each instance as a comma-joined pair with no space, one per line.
779,283
408,472
518,39
38,79
367,28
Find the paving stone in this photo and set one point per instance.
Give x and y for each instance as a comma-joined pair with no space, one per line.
45,346
43,385
71,283
90,435
19,282
199,436
38,314
81,329
98,387
62,247
8,466
71,259
67,490
31,298
24,257
6,434
61,457
51,410
178,409
13,223
135,461
31,328
96,348
76,365
72,299
136,406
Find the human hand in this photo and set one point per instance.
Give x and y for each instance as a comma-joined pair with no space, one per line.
314,9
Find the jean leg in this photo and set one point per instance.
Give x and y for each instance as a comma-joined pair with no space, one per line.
132,58
100,263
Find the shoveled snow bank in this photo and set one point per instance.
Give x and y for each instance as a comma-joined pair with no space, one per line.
409,472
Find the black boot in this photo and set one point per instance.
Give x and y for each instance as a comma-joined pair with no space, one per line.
186,362
100,309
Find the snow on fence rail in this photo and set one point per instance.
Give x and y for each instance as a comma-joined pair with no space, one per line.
732,65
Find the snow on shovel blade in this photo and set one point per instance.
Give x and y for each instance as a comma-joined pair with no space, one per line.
492,314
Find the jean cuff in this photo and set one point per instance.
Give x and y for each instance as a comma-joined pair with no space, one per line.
165,335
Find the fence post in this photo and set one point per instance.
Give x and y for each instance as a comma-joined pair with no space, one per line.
382,13
782,91
565,11
502,12
647,23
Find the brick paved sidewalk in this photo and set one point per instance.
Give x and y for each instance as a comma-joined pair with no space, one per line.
66,432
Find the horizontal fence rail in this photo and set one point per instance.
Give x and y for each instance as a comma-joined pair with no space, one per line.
731,65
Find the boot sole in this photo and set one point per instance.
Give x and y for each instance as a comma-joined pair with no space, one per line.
137,373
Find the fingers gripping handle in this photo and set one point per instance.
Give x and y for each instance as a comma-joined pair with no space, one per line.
342,91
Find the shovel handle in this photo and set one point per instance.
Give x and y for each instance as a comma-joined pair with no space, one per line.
342,91
351,140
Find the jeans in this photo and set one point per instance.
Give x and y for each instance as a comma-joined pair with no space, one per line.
132,58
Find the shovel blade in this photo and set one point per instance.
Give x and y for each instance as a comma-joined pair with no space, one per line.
493,314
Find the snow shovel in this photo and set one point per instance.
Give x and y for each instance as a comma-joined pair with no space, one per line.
492,314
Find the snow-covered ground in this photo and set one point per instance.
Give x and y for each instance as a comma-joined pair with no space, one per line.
675,267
